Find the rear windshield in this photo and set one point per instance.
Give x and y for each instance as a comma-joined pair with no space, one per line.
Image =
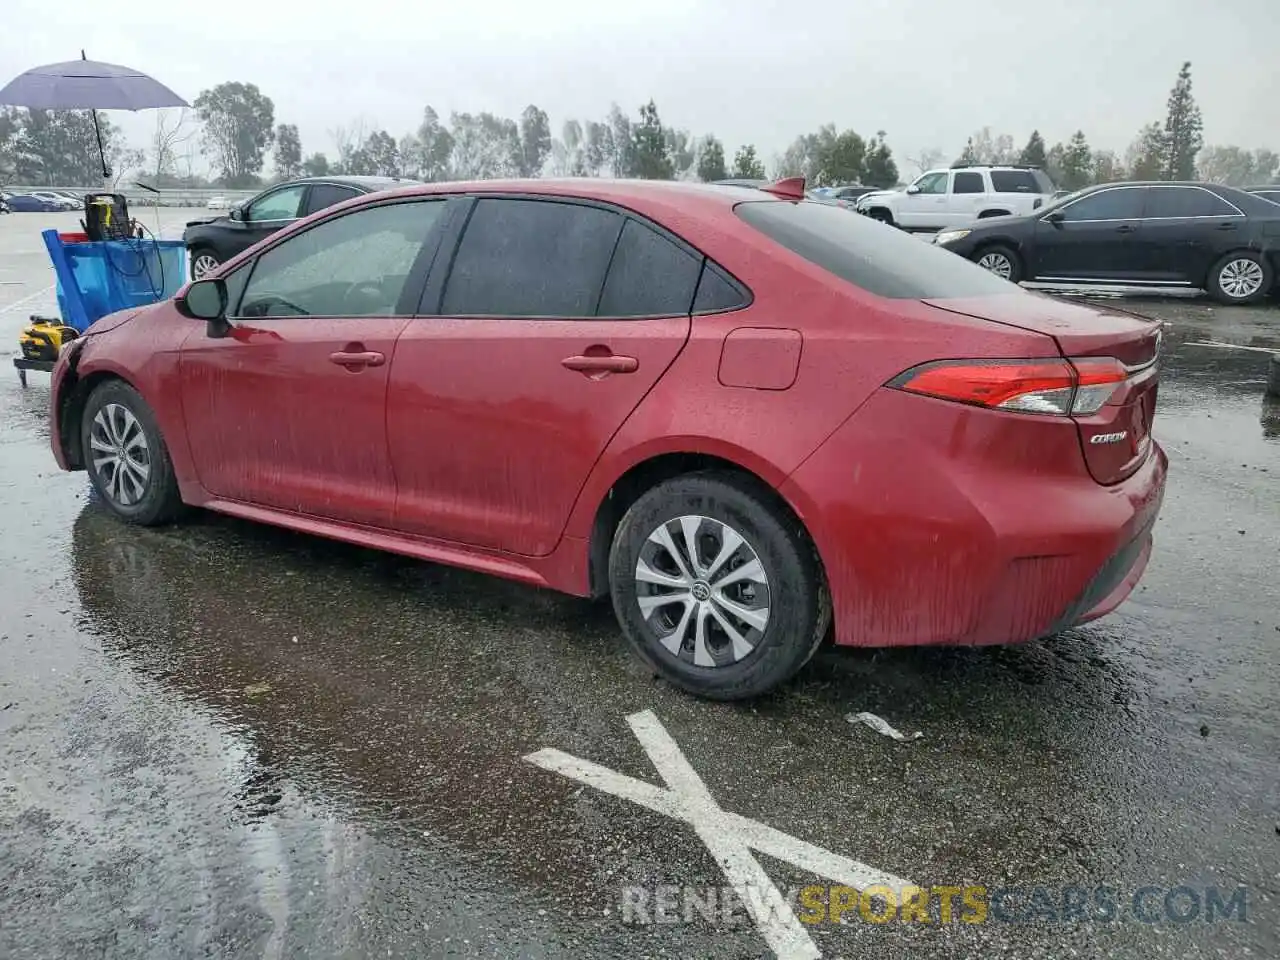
880,259
1021,181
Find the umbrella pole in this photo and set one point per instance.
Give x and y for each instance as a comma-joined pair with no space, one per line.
102,153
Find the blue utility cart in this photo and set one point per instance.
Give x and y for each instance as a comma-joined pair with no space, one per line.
93,280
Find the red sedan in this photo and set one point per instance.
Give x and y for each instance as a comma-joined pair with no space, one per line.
746,416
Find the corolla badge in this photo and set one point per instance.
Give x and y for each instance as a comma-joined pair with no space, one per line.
1109,437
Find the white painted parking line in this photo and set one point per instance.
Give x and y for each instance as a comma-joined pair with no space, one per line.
28,298
729,837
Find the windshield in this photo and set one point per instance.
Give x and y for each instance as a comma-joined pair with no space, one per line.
881,260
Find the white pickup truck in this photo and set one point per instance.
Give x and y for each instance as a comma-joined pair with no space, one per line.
955,196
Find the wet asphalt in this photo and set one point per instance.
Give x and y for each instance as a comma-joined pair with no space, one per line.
223,740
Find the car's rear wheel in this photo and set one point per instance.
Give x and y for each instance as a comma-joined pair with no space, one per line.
717,587
1241,277
1000,260
126,457
203,262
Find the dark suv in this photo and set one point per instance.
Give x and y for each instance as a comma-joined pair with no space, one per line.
212,242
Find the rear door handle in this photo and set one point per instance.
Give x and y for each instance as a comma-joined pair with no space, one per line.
357,358
605,364
1125,228
1226,226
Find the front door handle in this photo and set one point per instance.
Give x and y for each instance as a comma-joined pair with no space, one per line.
1125,228
357,358
609,363
1225,226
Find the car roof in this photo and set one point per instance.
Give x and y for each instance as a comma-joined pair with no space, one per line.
625,193
357,181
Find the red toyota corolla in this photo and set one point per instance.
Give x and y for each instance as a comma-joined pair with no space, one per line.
743,415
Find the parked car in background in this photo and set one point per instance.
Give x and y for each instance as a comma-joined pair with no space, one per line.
213,242
742,415
57,201
1203,235
28,203
1271,192
75,198
218,203
953,196
848,196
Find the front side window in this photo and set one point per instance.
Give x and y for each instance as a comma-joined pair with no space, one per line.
1165,203
531,258
280,204
968,183
1123,203
933,183
354,265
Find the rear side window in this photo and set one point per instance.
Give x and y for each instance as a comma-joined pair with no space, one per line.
649,277
968,183
531,258
1171,202
1017,181
326,195
1272,195
717,293
882,260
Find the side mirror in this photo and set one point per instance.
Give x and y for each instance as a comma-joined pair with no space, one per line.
1055,216
206,300
913,189
236,213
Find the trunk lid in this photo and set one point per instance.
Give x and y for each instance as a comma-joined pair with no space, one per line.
1117,438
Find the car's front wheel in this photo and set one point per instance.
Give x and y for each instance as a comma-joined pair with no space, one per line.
1001,261
126,457
203,262
717,587
1241,277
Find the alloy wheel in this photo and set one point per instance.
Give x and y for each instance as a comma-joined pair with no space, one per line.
702,591
120,453
1241,278
997,263
203,265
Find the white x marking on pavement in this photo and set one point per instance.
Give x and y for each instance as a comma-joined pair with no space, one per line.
729,837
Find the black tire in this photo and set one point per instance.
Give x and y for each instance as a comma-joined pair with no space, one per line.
158,501
881,214
799,604
987,256
202,255
1235,266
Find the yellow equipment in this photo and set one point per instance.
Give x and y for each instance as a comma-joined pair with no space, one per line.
43,338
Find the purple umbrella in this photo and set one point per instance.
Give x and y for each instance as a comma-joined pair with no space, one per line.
88,85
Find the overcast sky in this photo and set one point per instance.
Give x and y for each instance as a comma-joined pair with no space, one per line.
927,71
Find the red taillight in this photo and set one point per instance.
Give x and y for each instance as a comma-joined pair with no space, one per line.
1062,387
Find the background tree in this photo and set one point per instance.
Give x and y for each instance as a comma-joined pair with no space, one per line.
1107,167
426,154
1076,163
1144,159
598,148
878,168
238,128
683,151
173,129
621,157
968,156
1033,154
484,146
10,132
1237,167
651,157
711,160
746,165
348,143
986,147
840,157
288,152
316,165
381,156
535,141
1182,130
60,148
802,156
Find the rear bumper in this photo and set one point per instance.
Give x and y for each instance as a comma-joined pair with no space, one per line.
944,524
